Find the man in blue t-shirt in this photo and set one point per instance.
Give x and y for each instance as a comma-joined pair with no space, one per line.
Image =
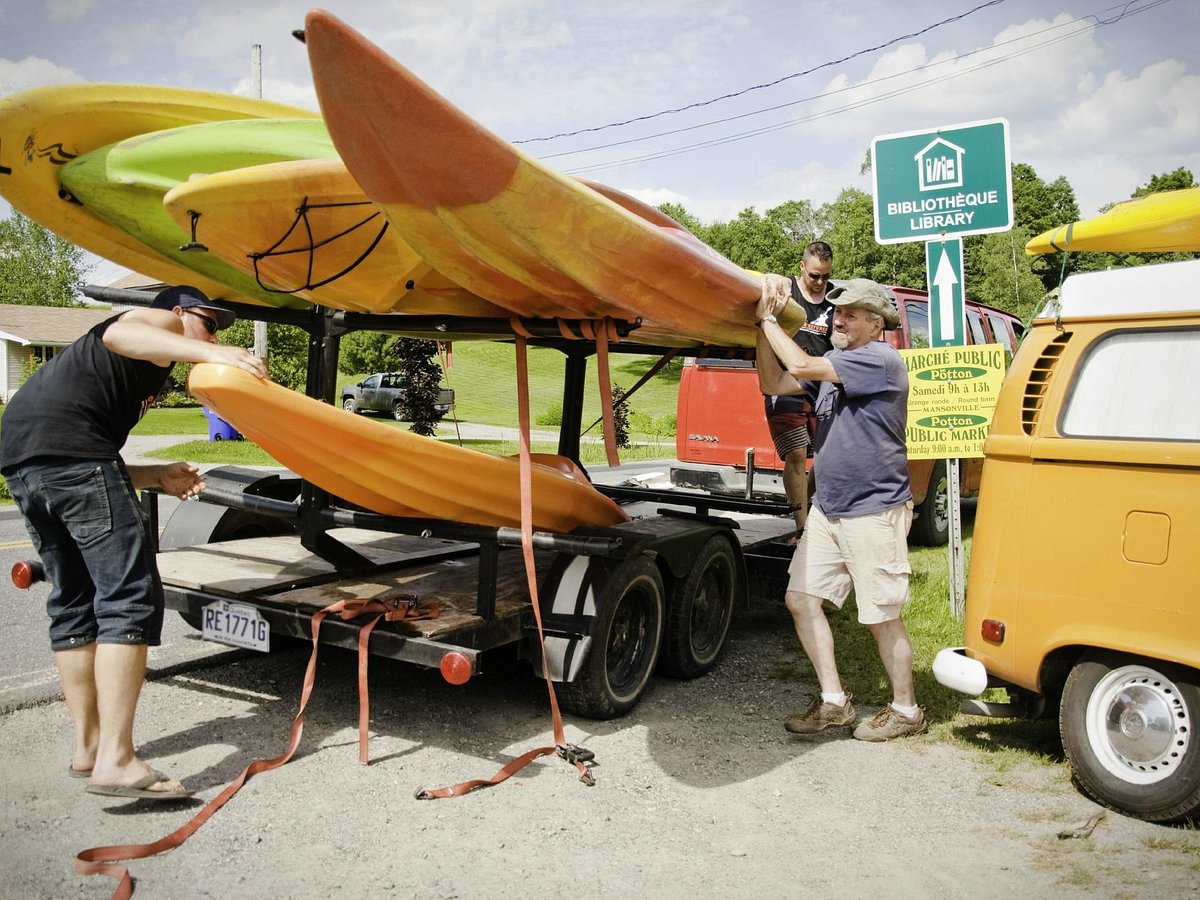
60,453
856,533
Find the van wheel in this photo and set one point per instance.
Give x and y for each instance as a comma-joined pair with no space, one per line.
624,646
931,520
700,611
1129,729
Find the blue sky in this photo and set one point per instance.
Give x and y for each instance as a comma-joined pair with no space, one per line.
1106,95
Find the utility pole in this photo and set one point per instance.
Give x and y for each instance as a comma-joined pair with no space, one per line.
260,328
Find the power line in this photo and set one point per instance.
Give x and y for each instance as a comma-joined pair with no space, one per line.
849,107
759,87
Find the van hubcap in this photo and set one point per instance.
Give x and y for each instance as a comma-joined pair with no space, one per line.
1138,724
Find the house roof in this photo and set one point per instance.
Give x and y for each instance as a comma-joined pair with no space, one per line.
47,325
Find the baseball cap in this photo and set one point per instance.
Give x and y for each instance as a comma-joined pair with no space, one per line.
865,294
187,297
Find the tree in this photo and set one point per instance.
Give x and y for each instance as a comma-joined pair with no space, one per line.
683,217
37,267
856,254
368,351
1169,181
998,272
422,381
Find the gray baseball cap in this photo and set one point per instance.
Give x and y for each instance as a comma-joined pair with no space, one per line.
865,294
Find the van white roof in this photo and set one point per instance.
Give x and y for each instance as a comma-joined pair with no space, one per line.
1166,287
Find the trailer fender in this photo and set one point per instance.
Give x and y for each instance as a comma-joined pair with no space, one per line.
192,524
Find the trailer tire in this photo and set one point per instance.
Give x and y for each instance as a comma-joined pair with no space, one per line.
700,611
931,520
624,643
1130,727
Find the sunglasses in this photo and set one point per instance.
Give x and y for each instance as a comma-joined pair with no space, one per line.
824,277
209,324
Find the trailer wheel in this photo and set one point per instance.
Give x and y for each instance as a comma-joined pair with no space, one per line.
1130,727
700,611
624,647
931,520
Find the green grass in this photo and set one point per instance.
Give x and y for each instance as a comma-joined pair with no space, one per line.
181,420
483,375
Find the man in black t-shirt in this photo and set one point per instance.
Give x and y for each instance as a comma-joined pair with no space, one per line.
787,416
60,453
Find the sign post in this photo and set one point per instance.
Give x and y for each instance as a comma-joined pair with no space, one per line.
936,186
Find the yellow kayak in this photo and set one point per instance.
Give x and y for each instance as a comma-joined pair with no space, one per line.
43,129
1164,222
504,225
393,471
305,226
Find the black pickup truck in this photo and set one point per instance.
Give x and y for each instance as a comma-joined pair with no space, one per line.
384,392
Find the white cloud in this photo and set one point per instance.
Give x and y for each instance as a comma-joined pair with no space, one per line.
32,71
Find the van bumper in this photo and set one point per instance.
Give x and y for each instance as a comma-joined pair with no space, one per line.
954,669
957,671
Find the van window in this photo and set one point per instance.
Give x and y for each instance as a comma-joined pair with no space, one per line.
975,326
918,324
1130,385
1000,332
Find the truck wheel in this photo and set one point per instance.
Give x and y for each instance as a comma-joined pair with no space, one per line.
349,405
399,413
931,520
624,646
700,610
1129,727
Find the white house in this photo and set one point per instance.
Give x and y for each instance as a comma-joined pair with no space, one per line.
38,331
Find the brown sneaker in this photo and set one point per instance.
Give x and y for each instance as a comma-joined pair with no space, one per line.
820,716
887,724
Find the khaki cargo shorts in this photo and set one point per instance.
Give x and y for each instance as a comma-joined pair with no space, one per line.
867,553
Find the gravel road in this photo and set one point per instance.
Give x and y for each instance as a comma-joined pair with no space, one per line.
699,793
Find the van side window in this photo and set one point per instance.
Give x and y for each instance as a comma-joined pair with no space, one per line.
975,326
1132,385
918,324
1000,332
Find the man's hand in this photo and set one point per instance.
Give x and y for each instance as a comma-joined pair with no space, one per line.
776,290
182,480
239,357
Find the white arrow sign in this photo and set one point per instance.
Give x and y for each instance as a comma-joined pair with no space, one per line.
943,262
944,281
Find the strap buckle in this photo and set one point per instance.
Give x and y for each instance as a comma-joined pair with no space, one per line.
573,754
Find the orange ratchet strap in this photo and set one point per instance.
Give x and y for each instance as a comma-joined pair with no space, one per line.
577,756
104,860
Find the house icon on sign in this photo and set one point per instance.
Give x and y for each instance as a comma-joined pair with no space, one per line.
939,165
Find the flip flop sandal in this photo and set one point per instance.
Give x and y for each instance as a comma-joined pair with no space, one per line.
139,790
78,773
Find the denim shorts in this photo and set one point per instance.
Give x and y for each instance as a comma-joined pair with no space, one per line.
95,543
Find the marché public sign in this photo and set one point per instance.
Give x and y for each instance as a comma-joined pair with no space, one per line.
953,180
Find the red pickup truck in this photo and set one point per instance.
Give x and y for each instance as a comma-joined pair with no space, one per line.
723,445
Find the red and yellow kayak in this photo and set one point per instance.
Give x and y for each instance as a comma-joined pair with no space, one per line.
504,225
390,470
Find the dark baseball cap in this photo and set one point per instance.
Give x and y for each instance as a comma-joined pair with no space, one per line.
187,297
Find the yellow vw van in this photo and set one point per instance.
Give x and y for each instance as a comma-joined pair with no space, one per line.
1082,594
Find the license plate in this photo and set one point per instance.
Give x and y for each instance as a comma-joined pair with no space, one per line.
235,624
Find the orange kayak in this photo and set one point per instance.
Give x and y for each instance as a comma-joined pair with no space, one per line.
392,471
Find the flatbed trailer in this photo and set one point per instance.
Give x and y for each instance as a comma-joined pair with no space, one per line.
617,604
